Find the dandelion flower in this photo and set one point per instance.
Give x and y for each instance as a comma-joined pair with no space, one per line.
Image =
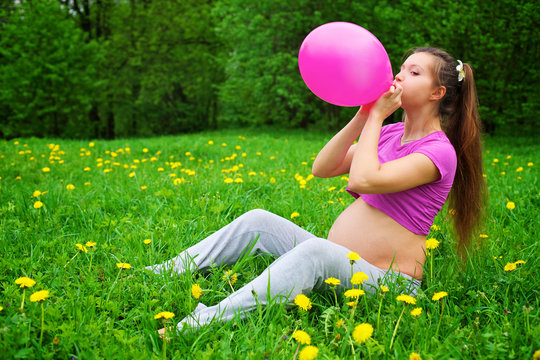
38,204
144,187
384,288
232,277
531,164
147,241
435,227
414,356
228,180
352,303
416,311
358,278
81,247
439,295
123,265
25,282
432,243
308,353
536,354
483,236
510,267
70,187
303,302
302,337
294,214
354,293
39,296
238,180
196,291
519,169
36,193
332,281
340,323
90,244
362,332
164,315
520,262
406,298
45,169
353,256
510,205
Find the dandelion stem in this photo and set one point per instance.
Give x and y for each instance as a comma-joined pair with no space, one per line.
23,294
395,329
440,319
42,322
164,339
296,352
74,256
91,256
335,296
414,337
352,346
431,267
379,313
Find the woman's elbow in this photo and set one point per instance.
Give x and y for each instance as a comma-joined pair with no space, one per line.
318,171
360,185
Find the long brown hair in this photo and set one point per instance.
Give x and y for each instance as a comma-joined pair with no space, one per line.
458,110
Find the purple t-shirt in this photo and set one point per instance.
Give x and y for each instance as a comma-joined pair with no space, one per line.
415,208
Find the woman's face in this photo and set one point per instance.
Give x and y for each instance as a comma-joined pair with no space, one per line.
416,77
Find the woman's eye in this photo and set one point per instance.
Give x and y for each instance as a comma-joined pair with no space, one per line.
414,73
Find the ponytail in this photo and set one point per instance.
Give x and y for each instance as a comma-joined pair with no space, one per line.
460,120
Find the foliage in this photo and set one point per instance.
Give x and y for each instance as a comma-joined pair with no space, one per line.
144,67
172,190
47,73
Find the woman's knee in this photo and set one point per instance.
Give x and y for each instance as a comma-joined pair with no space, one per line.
256,218
315,247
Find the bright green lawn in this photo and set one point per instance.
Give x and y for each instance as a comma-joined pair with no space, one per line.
96,312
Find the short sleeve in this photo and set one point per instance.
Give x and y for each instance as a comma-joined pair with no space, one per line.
443,155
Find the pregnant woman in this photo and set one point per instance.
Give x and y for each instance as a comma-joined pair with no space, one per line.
400,174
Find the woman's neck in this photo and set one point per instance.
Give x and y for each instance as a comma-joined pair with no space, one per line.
420,124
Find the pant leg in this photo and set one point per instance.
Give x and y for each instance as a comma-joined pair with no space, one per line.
276,236
300,270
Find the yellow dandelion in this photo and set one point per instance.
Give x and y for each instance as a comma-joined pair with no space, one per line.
384,288
435,227
362,332
432,243
340,323
46,169
39,296
272,180
536,354
238,180
483,236
416,311
332,281
196,291
36,193
233,278
358,278
228,180
25,282
86,169
131,174
70,187
510,267
414,356
164,315
302,337
303,302
81,247
406,298
519,169
353,256
123,265
531,164
520,262
309,352
439,295
510,205
294,214
38,204
354,293
90,244
147,241
352,303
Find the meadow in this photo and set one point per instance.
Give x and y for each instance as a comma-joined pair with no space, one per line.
82,219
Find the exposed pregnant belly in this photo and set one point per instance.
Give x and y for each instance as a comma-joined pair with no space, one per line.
379,239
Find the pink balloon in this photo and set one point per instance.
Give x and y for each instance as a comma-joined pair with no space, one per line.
344,64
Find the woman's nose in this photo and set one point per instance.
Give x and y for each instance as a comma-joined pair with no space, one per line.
399,77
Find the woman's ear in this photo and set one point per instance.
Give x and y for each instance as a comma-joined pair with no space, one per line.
438,93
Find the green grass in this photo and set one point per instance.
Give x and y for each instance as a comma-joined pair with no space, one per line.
101,312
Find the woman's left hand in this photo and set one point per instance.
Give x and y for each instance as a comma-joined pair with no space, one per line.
389,102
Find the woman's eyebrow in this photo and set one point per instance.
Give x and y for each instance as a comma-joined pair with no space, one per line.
411,65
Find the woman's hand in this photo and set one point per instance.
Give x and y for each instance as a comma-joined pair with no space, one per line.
389,102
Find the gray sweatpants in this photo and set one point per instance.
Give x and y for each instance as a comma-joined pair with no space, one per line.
304,262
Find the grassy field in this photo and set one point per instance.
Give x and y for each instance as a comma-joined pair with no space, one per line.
174,191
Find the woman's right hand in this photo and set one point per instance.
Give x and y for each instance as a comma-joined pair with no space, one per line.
388,103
